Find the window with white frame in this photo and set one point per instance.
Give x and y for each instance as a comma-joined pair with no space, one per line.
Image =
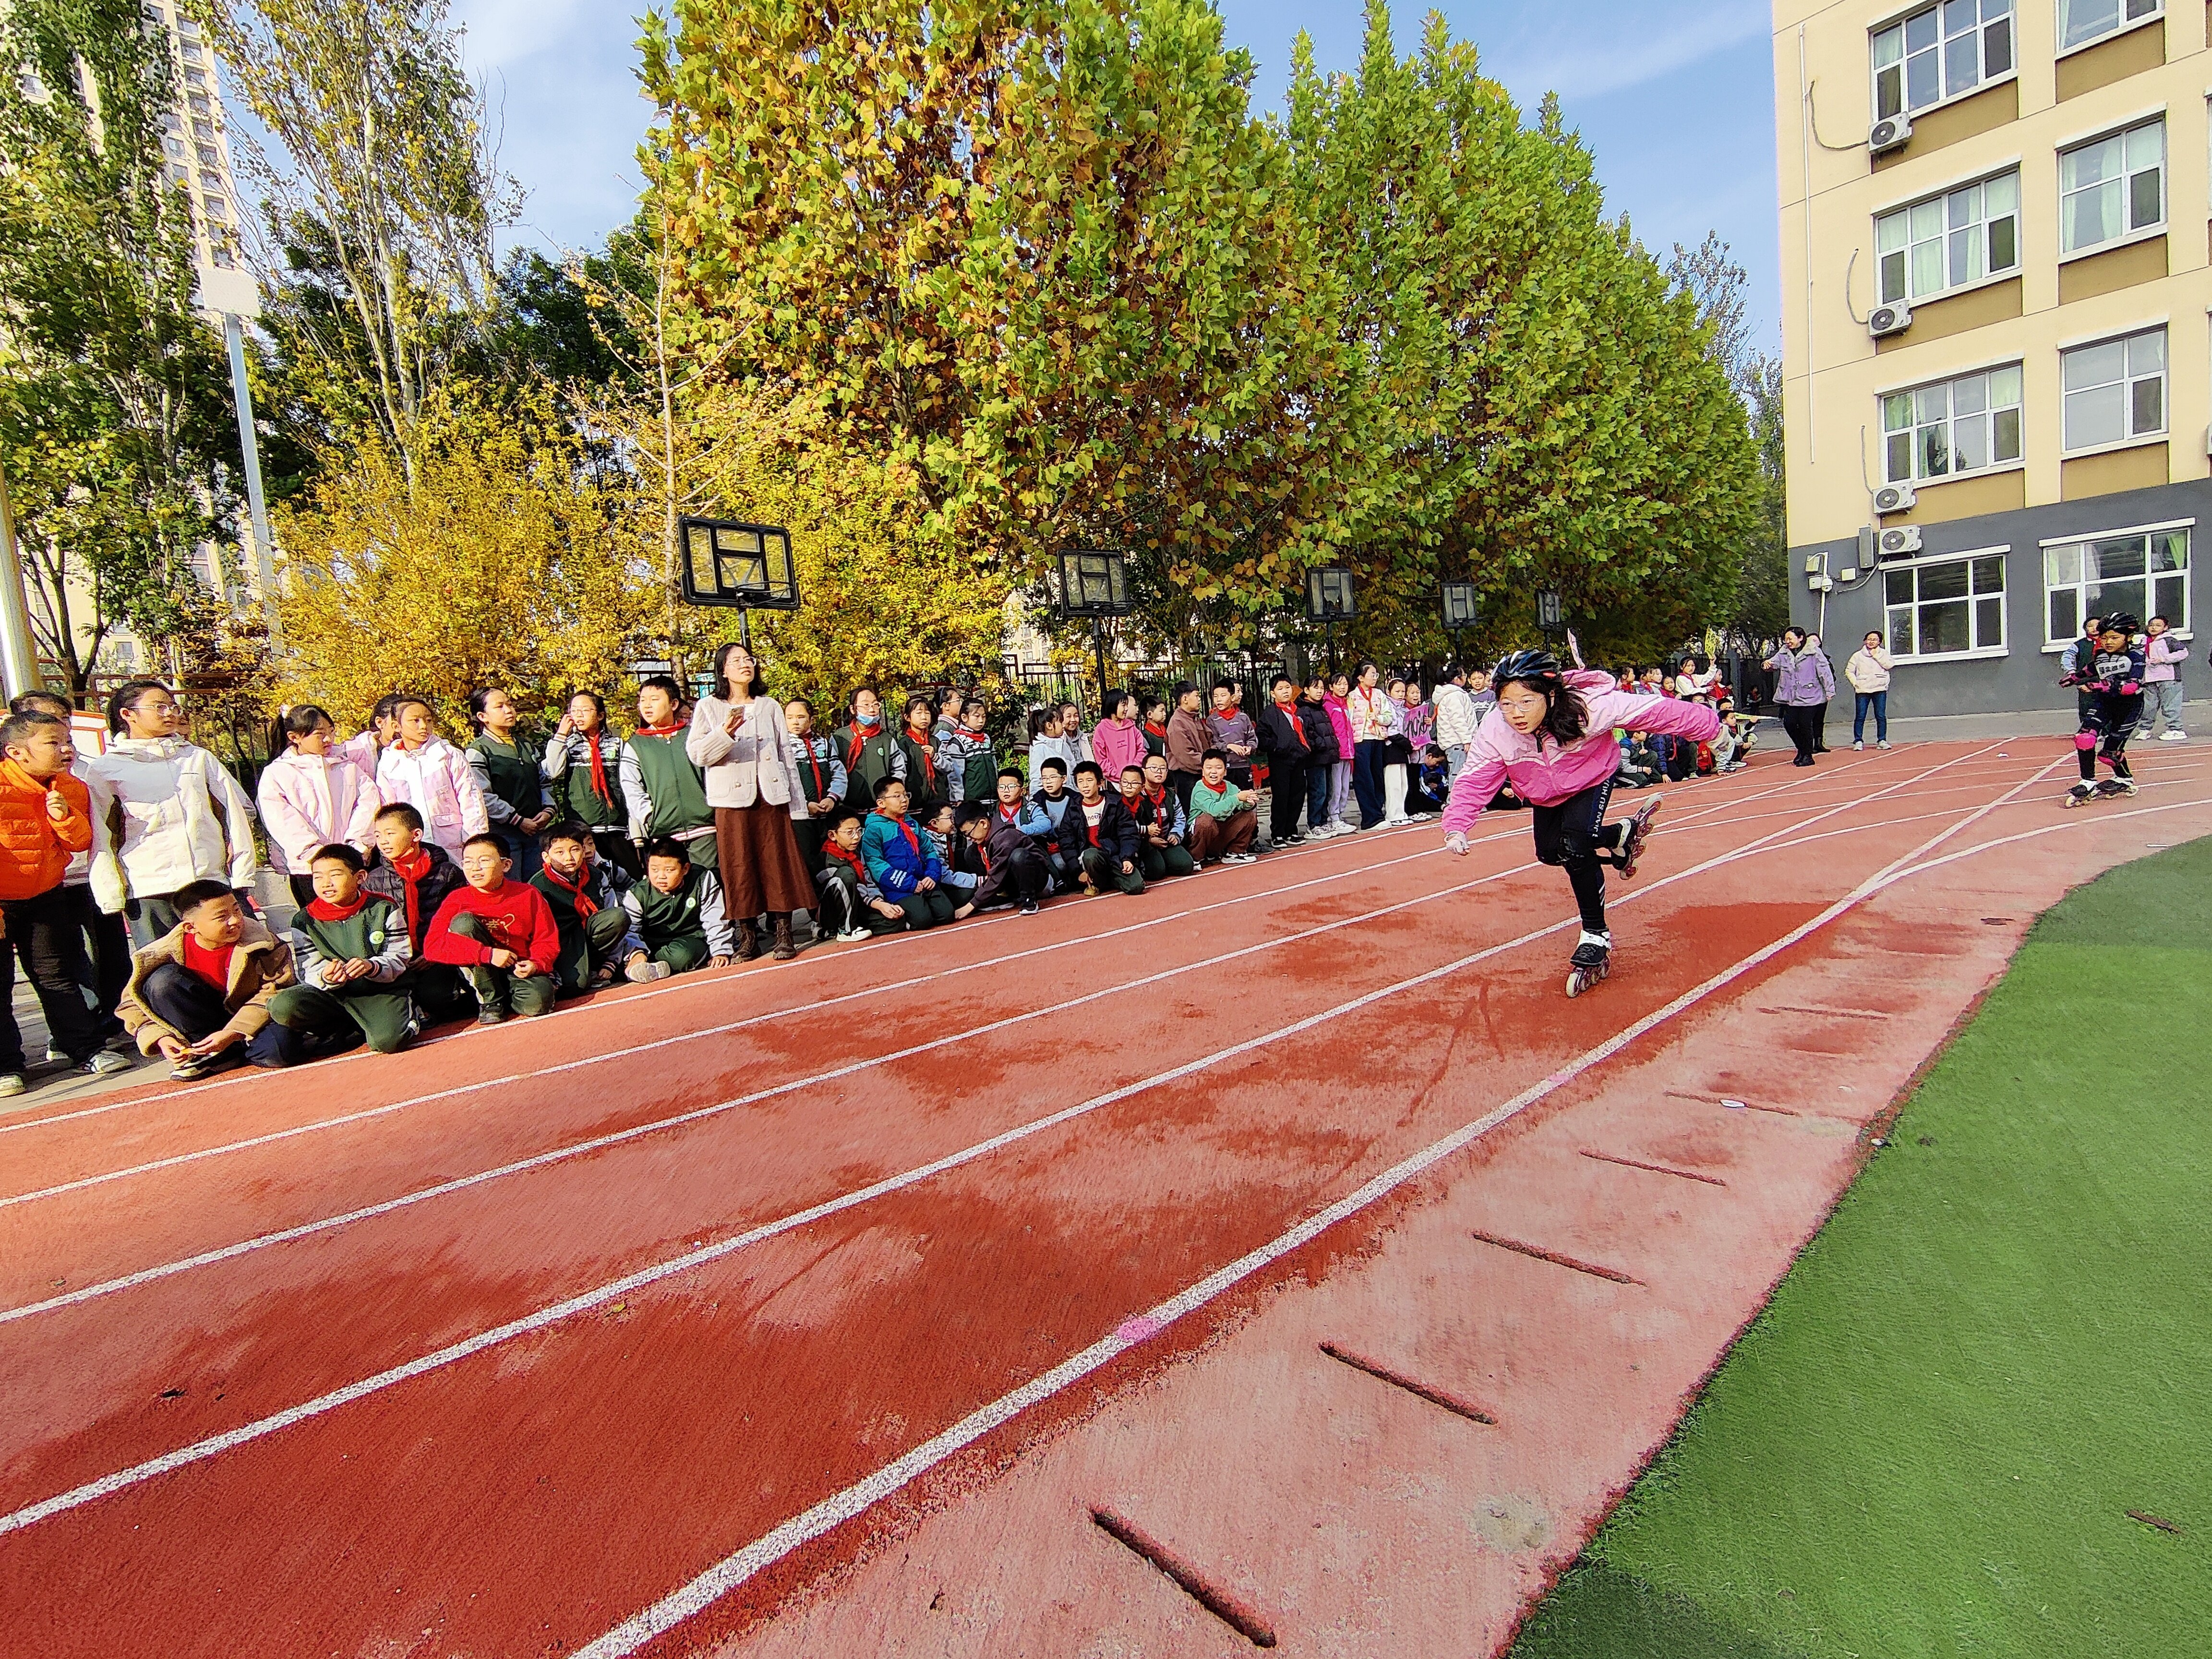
1946,607
2112,187
2080,21
1949,240
2114,390
1939,53
1967,425
2144,572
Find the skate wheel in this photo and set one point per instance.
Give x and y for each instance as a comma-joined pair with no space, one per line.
1576,983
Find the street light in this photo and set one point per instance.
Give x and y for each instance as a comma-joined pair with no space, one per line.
1550,612
1461,605
747,567
1094,584
1330,599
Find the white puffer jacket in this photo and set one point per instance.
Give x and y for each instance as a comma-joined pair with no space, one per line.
183,818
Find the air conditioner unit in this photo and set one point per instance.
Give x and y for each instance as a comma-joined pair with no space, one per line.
1895,498
1896,544
1889,319
1889,134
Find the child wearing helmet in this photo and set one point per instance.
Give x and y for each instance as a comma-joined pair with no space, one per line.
2108,678
1551,736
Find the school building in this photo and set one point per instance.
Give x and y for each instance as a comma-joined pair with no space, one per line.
1995,295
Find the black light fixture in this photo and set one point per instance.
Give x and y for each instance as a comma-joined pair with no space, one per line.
1330,599
1460,604
1551,611
1094,586
730,565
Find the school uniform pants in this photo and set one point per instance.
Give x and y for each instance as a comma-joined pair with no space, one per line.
1339,786
1367,781
1573,834
1020,879
186,1003
47,933
440,990
2161,700
614,845
501,987
1211,837
842,908
681,954
930,909
110,951
521,848
1286,793
1182,783
1105,870
1319,783
591,947
328,1021
1161,862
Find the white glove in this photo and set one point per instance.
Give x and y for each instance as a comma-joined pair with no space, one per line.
1456,844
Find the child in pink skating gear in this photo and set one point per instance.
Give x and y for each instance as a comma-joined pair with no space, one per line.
1552,734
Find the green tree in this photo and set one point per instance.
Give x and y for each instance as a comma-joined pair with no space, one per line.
113,406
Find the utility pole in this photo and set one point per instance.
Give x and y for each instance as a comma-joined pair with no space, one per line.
19,658
234,335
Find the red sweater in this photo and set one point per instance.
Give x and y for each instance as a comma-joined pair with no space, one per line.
516,916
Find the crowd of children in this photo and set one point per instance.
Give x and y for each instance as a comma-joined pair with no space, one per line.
485,877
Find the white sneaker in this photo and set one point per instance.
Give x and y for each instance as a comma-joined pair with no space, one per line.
1238,858
644,973
1858,743
854,935
108,1063
1884,743
2173,736
13,1083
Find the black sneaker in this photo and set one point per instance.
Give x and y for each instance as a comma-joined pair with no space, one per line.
1029,907
489,1015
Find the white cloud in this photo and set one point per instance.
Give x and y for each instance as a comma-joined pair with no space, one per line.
1595,58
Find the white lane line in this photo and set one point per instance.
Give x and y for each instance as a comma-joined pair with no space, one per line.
213,1445
854,1500
559,1154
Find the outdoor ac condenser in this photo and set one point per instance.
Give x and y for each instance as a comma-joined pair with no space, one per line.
1888,134
1895,498
1889,319
1895,543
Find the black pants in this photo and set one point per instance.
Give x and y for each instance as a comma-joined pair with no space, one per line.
47,931
111,952
184,1002
1803,726
2113,720
1286,786
1367,764
1182,783
1020,879
1575,834
843,909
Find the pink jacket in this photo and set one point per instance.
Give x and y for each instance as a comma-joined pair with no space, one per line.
308,801
1113,746
1339,716
436,781
1543,772
2165,652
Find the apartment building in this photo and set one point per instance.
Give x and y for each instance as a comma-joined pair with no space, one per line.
1998,367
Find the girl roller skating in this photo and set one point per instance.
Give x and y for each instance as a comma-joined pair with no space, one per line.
1551,735
2110,678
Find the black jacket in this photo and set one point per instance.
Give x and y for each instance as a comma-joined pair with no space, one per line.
1118,836
1068,802
1320,734
441,879
1279,731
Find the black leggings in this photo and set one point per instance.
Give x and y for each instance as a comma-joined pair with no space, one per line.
2111,719
1803,726
1575,833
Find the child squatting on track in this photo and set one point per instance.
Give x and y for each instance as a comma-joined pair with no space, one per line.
1551,735
2110,682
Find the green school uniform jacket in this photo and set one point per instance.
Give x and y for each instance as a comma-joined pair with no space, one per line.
693,911
868,763
510,777
376,933
672,798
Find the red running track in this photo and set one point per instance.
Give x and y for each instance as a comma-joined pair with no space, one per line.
497,1346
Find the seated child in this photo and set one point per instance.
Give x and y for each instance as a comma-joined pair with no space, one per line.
999,853
1061,846
852,907
1639,768
1159,817
416,875
675,916
503,933
903,861
586,902
351,950
1428,786
1224,818
199,995
1111,846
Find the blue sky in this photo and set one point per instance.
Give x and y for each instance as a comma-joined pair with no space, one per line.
1676,100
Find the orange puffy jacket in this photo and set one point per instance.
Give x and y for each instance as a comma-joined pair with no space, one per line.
34,848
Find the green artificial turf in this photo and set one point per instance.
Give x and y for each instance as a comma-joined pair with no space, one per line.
1999,1345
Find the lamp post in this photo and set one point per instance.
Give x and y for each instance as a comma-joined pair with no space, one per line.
1094,583
1461,605
744,566
1330,599
1551,611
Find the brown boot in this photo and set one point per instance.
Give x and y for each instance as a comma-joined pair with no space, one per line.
784,950
748,941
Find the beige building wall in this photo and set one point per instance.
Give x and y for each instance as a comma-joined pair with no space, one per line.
1832,189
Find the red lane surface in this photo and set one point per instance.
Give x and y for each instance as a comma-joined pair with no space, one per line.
531,1496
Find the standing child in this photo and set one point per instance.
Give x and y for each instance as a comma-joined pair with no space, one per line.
666,793
1188,740
310,797
583,760
431,776
901,860
1283,740
1047,742
1338,704
964,757
867,749
415,876
1321,757
852,907
2113,680
676,922
1155,725
2162,699
503,933
1552,737
351,950
918,743
822,778
199,995
1118,741
510,776
585,897
1233,732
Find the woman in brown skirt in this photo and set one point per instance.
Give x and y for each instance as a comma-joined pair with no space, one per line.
738,738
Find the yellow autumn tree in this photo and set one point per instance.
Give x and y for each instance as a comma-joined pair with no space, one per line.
506,560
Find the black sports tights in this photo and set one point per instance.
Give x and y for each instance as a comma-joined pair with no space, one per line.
1575,833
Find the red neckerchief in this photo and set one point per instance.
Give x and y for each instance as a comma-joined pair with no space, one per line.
1159,732
904,828
1159,798
1290,711
322,910
923,741
586,906
667,731
983,852
1011,814
814,765
412,868
599,771
1129,802
853,858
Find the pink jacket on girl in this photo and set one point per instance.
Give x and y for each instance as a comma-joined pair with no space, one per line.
1115,745
1543,772
309,801
436,781
1339,716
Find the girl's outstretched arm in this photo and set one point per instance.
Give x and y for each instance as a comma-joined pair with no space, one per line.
1471,791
